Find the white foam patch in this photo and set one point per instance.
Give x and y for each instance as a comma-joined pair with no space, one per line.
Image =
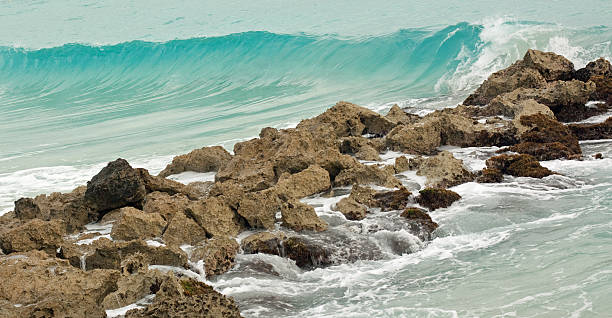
191,176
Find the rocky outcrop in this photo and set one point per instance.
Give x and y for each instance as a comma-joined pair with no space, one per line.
50,287
115,186
187,298
433,198
518,165
165,204
351,209
362,148
215,217
263,242
417,138
592,131
399,117
200,160
599,67
135,224
299,217
553,67
259,208
218,255
34,235
183,230
368,174
309,181
420,222
490,175
442,170
401,164
306,253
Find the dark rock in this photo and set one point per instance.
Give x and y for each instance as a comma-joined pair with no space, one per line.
104,253
306,253
263,242
392,200
518,165
592,131
116,185
490,175
599,67
420,222
433,198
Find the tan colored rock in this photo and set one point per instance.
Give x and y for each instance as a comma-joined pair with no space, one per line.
401,164
34,235
443,170
553,67
253,175
263,242
307,182
363,195
104,253
435,198
216,217
362,148
418,138
335,162
165,204
259,208
155,183
200,160
50,287
351,209
368,174
459,130
183,230
136,224
399,117
218,254
300,217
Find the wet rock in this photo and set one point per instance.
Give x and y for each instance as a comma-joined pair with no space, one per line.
518,165
368,174
259,208
599,67
135,224
307,182
34,235
306,253
216,217
188,298
490,175
459,130
399,117
511,105
218,255
299,217
50,287
68,207
442,170
592,131
363,195
200,160
263,242
348,119
433,198
547,139
104,253
598,156
420,222
417,138
566,99
351,209
183,230
116,185
392,200
401,164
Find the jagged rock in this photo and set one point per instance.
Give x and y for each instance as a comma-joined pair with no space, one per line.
433,198
263,242
603,89
420,222
552,66
166,205
104,253
215,217
50,287
368,174
335,162
351,209
202,188
399,117
518,165
401,164
459,130
116,185
34,235
363,195
417,138
306,253
362,148
593,131
392,200
200,160
188,298
512,106
490,175
68,207
547,139
135,224
253,175
218,254
442,170
599,67
307,182
171,187
348,119
301,216
183,230
259,208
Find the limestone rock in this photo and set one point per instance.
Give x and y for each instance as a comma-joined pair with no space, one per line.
418,138
368,174
218,254
165,204
363,195
599,67
443,170
200,160
104,253
362,148
116,185
399,117
259,208
307,182
392,200
34,235
433,198
401,164
300,217
263,242
518,165
183,230
306,253
135,224
552,66
490,175
215,217
351,209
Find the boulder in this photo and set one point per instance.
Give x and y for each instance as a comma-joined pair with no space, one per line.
399,117
135,224
603,90
392,200
71,208
259,208
116,185
552,66
335,162
251,174
417,138
165,204
183,230
458,130
107,254
360,147
263,242
50,287
171,187
215,216
420,222
200,160
592,131
518,165
368,174
490,175
307,182
363,195
34,235
187,298
512,106
599,67
218,255
442,170
300,216
351,209
433,198
401,164
306,253
348,119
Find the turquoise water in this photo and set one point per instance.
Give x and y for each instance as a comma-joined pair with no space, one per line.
82,83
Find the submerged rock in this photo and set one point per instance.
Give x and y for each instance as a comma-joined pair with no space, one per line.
420,222
351,209
306,253
518,165
490,175
433,198
200,160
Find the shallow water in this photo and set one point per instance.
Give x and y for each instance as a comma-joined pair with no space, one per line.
149,80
